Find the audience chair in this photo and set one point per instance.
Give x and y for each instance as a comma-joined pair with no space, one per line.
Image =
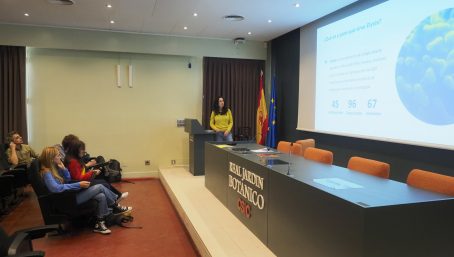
20,178
286,147
431,181
368,166
318,155
7,193
16,177
305,143
58,208
19,173
20,242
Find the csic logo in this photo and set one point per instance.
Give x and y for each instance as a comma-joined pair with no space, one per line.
244,208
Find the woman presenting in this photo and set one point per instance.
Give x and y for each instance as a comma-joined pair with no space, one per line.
221,120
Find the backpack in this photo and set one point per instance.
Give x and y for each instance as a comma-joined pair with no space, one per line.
113,171
120,220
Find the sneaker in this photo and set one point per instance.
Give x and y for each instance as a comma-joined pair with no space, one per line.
123,196
100,227
118,209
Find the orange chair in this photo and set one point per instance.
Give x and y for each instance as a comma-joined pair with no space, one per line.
368,166
285,147
431,181
318,155
306,143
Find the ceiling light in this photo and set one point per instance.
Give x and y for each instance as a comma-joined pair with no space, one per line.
297,5
195,14
233,18
26,14
109,6
112,22
185,28
61,2
269,21
249,33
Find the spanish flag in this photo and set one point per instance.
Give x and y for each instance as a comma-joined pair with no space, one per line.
262,115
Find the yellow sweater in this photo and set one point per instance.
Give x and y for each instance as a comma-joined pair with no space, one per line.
221,122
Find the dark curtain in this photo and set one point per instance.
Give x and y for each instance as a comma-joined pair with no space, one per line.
12,91
237,80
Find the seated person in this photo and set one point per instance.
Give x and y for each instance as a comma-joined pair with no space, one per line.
70,139
65,143
19,154
79,170
56,178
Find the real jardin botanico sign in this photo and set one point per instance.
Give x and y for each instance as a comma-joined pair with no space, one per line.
251,191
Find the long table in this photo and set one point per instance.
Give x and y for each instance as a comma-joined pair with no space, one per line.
299,207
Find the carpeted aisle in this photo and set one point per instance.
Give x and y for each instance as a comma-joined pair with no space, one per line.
163,234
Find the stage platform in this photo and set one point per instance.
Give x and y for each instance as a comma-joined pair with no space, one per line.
213,228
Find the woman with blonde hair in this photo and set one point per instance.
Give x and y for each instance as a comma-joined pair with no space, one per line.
57,179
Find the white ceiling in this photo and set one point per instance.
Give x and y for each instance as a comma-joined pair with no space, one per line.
168,17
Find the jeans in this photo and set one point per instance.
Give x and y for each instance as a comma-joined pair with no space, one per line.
106,184
220,137
102,195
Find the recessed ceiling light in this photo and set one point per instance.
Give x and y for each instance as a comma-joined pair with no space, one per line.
195,14
269,21
233,18
185,28
109,6
112,22
249,33
26,14
297,5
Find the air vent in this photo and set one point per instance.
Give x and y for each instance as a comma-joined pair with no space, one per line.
61,2
233,18
239,40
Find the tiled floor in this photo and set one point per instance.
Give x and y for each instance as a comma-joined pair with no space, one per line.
163,233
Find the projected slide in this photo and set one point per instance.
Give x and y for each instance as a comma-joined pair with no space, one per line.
388,72
425,69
